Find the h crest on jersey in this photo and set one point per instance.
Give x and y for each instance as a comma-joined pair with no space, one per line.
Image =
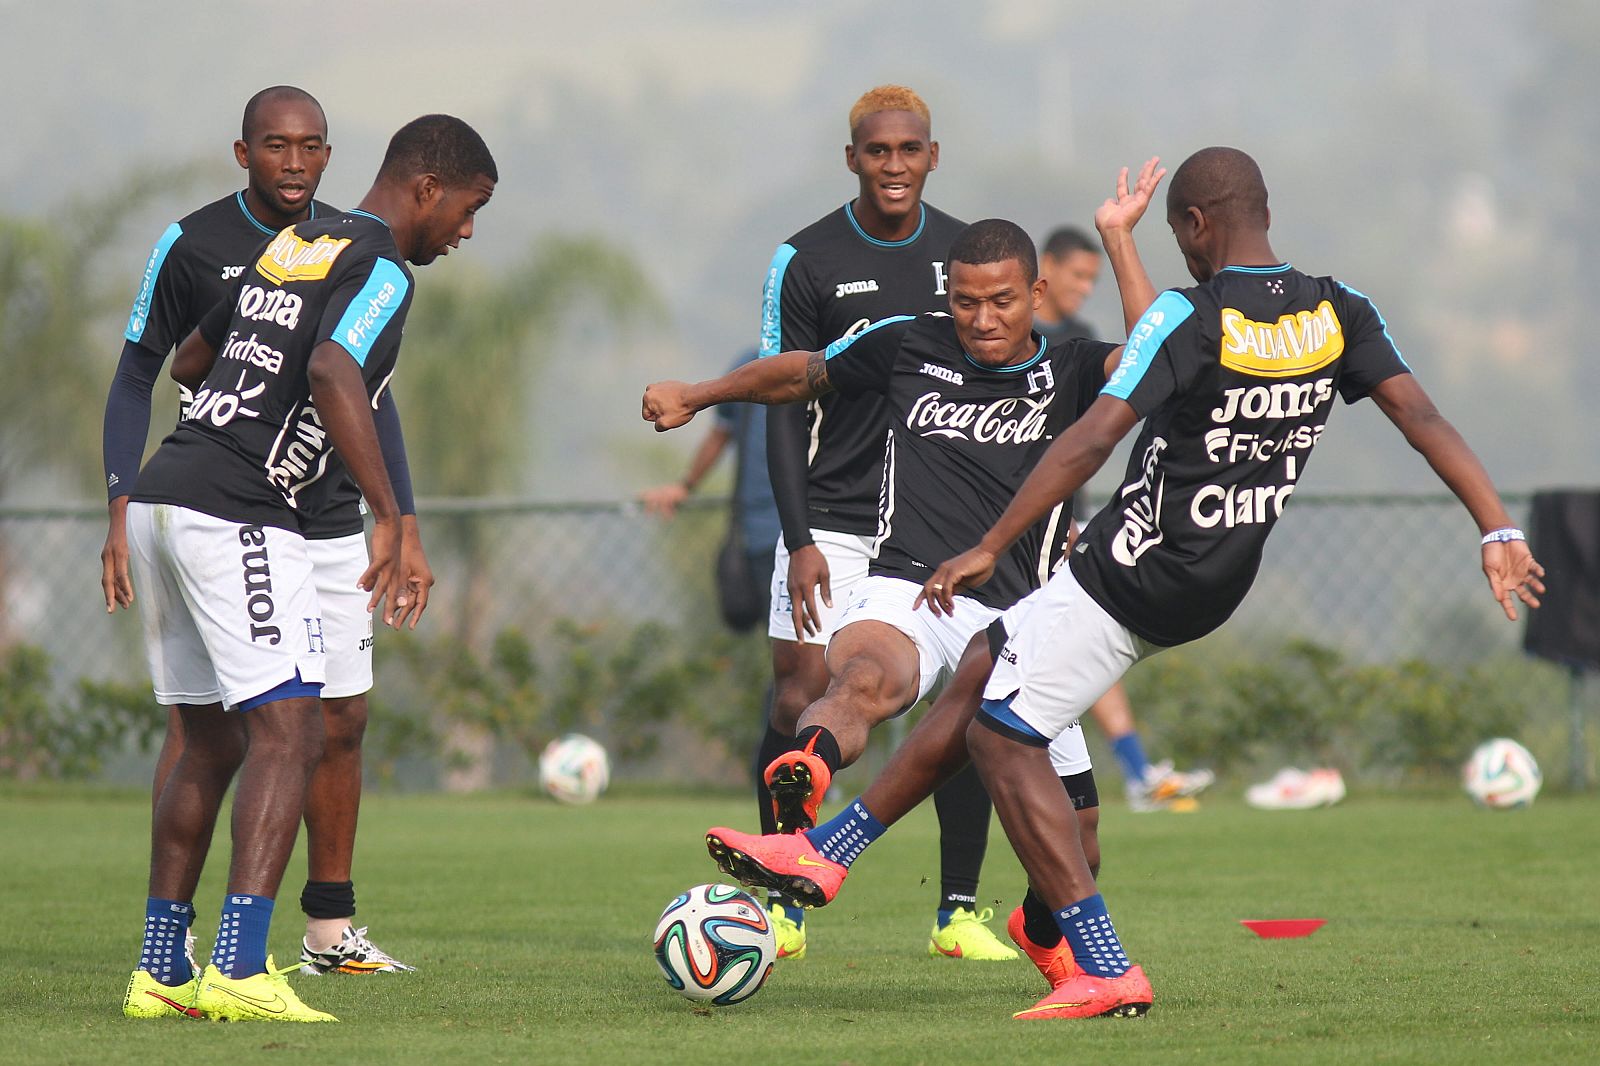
288,258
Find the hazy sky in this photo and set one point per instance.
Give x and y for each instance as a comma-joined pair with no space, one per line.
701,134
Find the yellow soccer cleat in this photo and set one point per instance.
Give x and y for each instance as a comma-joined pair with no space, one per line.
967,937
790,934
263,997
148,998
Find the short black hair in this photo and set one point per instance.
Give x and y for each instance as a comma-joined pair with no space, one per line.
994,240
272,94
1224,183
441,145
1065,239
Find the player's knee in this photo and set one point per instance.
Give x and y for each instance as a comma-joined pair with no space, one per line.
344,723
870,688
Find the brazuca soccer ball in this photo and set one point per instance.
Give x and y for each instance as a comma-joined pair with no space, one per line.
1501,774
715,944
574,769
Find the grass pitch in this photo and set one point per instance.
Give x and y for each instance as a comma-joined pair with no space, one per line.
1454,935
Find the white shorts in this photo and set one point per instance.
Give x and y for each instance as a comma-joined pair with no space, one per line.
940,639
229,610
336,566
1065,656
848,557
1068,753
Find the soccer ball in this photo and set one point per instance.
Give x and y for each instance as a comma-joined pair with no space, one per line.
574,769
1501,774
715,944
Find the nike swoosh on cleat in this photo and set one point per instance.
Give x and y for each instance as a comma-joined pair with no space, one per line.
1053,1006
956,954
275,1005
801,860
190,1012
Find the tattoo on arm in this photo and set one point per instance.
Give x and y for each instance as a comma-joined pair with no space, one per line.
817,382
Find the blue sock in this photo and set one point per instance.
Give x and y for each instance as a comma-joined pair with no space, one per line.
795,914
1093,940
162,957
241,949
846,835
1130,756
944,917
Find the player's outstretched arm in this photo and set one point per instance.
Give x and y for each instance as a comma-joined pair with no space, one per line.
340,397
1513,573
776,379
1061,471
1115,220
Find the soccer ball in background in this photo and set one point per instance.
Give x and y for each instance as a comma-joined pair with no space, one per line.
715,944
1501,774
574,769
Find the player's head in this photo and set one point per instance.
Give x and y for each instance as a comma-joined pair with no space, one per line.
443,173
283,144
994,291
1217,195
1069,262
891,150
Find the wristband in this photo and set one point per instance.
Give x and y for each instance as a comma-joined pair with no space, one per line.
1500,536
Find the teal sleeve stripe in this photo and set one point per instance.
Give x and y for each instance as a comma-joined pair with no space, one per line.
371,309
1384,325
772,301
848,339
140,315
1149,334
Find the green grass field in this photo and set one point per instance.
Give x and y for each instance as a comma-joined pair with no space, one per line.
1454,935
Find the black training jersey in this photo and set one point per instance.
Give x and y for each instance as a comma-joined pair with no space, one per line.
1235,380
829,281
962,438
194,267
251,448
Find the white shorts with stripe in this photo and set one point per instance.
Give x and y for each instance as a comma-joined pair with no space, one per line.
940,639
848,557
229,610
1068,753
336,565
1064,656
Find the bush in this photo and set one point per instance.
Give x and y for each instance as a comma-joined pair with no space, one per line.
43,737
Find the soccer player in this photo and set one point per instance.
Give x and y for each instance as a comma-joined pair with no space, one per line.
283,147
882,254
1235,379
1069,262
286,373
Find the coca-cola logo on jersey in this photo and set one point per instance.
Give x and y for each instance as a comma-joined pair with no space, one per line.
1009,420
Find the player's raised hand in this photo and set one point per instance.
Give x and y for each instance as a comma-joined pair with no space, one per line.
1123,210
1513,573
969,569
114,580
666,403
384,577
808,578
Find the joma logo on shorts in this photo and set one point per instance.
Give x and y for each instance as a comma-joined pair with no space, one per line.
258,584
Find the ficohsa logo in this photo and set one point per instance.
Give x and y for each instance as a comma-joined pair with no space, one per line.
374,313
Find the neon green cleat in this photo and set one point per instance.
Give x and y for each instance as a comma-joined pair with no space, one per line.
263,997
967,937
148,998
791,935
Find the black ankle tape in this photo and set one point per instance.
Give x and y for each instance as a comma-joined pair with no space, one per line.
329,899
822,744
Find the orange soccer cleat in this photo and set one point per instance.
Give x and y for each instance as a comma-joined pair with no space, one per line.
1057,963
785,862
798,780
1088,996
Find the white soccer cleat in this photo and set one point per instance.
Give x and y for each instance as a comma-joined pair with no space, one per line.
1163,786
354,953
1297,790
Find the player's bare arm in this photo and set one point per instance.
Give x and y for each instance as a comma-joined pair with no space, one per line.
776,379
341,400
192,361
1115,220
1070,461
414,571
1513,573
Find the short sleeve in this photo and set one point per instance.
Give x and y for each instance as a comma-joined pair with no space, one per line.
864,361
1370,355
789,306
1150,370
1080,368
155,320
364,303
